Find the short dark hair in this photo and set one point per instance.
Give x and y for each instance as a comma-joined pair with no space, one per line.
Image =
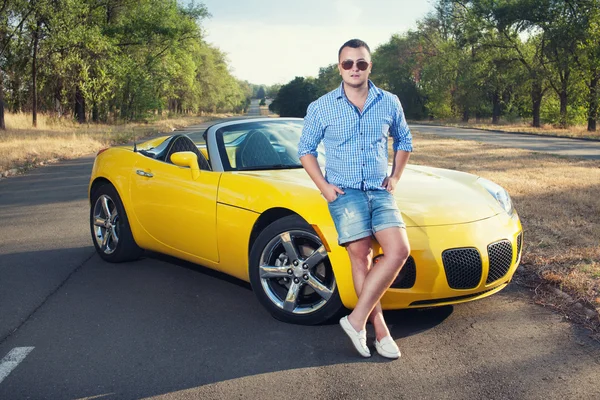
355,44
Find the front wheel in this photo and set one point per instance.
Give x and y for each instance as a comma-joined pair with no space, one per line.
291,274
111,233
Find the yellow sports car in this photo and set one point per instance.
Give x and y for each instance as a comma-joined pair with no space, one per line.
238,200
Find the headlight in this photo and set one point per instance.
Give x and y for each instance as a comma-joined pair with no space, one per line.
499,193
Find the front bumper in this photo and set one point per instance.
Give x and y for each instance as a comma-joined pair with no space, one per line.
438,280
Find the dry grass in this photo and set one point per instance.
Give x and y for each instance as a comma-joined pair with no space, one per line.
576,131
558,201
23,147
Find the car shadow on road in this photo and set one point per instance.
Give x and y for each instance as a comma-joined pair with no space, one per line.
402,323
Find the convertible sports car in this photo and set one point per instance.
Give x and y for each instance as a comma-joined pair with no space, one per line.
239,202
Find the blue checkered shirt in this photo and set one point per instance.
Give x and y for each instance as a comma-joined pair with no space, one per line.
355,143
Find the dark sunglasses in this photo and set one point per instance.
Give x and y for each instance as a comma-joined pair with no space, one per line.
360,64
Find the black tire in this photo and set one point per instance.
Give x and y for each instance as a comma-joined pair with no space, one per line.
309,285
111,233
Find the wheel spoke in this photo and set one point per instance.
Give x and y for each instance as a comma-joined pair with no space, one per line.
292,297
105,206
318,287
105,239
271,271
113,215
288,245
316,257
99,221
115,236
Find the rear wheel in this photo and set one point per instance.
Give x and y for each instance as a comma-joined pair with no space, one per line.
109,225
291,274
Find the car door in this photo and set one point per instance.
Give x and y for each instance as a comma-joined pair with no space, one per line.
175,209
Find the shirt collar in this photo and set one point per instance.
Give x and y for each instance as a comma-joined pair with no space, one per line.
374,91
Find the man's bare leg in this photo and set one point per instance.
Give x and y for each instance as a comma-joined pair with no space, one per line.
361,259
396,248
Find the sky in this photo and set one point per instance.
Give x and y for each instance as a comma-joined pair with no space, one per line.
273,41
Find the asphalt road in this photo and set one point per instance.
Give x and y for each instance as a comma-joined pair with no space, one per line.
73,326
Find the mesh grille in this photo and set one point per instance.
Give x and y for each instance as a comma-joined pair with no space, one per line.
463,268
519,244
407,276
501,254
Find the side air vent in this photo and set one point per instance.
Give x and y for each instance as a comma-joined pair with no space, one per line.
407,276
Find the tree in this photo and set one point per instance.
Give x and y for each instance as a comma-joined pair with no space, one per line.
509,21
397,68
272,91
589,62
293,98
328,79
260,93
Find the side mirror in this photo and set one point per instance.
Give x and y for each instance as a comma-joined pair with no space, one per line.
187,159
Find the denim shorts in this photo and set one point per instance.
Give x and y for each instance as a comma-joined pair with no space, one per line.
358,214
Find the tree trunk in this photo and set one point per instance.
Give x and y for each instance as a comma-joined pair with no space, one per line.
95,112
130,108
465,117
563,108
2,123
593,102
79,105
495,108
58,98
36,41
536,99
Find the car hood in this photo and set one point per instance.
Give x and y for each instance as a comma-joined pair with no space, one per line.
426,196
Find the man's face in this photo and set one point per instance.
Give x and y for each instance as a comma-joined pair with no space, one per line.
354,77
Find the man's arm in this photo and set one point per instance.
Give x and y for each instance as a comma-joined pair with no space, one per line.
312,134
402,143
400,160
311,165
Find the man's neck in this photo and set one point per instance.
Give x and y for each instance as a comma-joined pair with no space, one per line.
356,92
357,95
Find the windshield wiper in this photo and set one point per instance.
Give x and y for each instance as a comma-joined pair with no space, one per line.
267,167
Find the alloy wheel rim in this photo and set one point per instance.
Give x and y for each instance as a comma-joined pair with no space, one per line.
105,221
295,272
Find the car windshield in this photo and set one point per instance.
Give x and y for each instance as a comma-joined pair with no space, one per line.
261,145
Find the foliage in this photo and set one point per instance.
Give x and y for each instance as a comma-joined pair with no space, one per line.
293,98
272,91
260,93
112,59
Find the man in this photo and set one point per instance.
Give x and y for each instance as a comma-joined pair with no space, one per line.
354,122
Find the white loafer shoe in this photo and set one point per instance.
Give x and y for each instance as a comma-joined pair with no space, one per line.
387,348
359,339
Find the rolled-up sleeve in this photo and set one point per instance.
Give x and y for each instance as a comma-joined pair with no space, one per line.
312,132
402,138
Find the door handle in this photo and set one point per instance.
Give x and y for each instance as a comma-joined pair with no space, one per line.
144,173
